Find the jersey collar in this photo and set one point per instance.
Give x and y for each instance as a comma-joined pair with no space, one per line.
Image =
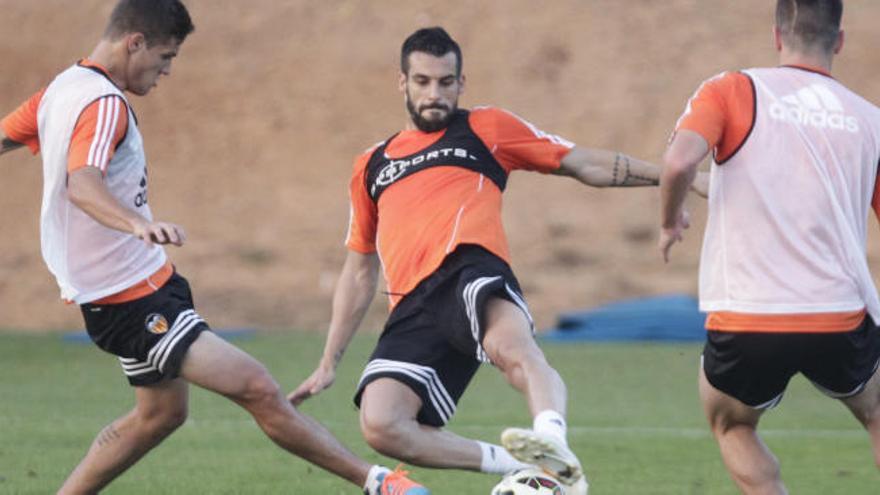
809,68
96,67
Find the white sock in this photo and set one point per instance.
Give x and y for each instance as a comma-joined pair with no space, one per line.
497,460
371,486
550,422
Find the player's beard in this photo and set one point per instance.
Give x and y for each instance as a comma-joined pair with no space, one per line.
426,125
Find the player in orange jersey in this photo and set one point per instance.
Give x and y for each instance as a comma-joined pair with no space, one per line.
426,208
783,272
100,241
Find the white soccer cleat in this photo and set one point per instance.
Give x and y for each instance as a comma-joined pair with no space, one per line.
548,452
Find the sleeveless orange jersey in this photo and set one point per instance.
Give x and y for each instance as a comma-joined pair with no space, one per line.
423,217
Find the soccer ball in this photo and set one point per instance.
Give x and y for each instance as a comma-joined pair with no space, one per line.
528,481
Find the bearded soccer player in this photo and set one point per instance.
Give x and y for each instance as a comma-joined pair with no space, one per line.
102,244
426,207
783,272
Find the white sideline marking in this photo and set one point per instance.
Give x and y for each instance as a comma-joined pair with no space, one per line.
656,431
686,432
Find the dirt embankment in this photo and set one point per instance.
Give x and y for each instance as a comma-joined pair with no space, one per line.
250,141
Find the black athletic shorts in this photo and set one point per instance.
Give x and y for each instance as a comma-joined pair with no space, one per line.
150,335
755,367
432,340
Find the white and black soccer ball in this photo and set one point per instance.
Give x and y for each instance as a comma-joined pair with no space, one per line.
528,481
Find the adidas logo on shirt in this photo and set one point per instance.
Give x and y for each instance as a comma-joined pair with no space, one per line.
814,106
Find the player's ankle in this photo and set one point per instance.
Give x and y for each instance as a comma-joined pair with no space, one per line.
550,422
497,460
374,479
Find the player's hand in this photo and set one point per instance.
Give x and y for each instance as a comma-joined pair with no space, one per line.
671,235
160,233
700,186
320,379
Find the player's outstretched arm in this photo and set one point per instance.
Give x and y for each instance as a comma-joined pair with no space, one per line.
7,144
681,159
86,190
351,299
604,168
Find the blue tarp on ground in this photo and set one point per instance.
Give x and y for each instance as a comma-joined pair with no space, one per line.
670,318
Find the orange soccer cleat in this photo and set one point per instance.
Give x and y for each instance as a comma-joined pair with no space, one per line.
397,483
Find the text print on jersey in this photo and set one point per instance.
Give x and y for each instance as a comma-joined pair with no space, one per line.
814,106
397,168
141,198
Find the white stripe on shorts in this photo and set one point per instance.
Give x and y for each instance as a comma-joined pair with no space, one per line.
437,394
469,294
133,367
159,354
519,301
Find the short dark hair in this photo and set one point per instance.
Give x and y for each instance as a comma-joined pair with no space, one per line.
435,41
159,21
809,24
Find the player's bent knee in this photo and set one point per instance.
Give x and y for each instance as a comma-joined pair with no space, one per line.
175,419
163,421
262,388
257,391
388,437
518,356
767,475
528,363
722,425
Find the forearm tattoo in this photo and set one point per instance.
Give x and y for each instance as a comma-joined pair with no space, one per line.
107,435
337,357
626,178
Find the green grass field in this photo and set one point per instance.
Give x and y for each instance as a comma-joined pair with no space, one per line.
633,414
